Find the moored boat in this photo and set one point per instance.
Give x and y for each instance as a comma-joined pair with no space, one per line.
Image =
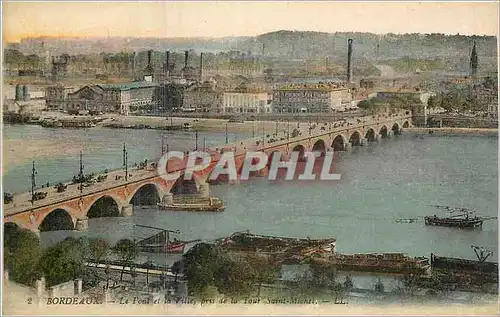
380,262
211,204
465,222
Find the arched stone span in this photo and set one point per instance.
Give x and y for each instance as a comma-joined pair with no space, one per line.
57,219
105,206
355,138
383,131
338,143
271,155
395,129
319,146
184,186
406,124
147,194
301,150
370,135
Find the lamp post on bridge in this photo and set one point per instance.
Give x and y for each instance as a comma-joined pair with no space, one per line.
81,173
33,183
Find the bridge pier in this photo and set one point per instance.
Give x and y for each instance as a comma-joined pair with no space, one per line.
263,172
168,199
347,146
363,141
37,232
204,190
127,211
390,133
82,224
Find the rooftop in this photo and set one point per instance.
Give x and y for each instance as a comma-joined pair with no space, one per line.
127,86
319,86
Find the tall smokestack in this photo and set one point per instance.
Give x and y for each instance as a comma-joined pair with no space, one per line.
166,67
263,49
473,61
201,67
133,64
186,57
349,60
149,58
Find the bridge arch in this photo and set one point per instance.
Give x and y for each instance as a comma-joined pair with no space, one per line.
184,186
319,146
302,150
370,135
383,131
271,155
147,194
338,143
395,129
406,124
104,206
57,219
355,138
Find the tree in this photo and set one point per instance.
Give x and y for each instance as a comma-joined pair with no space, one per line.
22,253
127,252
263,271
64,261
98,249
199,267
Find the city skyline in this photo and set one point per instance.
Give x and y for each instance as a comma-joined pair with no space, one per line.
211,20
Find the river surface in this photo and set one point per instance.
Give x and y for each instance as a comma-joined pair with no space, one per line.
396,178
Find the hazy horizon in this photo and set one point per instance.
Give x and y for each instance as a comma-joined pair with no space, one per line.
215,20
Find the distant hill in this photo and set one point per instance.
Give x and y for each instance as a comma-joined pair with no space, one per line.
291,44
298,44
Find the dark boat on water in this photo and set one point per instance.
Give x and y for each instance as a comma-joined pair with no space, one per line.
454,221
462,220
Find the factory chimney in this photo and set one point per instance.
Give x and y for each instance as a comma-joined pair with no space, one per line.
473,61
201,67
186,57
149,58
349,60
133,65
166,66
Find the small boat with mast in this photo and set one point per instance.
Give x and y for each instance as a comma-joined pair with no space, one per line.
463,218
161,243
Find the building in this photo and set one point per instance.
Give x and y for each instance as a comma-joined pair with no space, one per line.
322,97
56,96
204,98
115,98
246,99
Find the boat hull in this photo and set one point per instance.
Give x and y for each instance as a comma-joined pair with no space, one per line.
161,248
454,223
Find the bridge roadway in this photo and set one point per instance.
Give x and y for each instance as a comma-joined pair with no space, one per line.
21,203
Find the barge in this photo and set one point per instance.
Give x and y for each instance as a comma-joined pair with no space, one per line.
282,250
211,204
380,262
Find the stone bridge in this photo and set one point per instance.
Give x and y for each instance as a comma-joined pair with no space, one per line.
116,196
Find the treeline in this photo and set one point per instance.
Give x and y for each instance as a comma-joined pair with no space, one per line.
65,261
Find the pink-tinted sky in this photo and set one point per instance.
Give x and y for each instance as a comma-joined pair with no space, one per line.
233,18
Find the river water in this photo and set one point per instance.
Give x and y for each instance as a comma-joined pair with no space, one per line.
396,178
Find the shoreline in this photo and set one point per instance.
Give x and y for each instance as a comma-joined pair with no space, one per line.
456,131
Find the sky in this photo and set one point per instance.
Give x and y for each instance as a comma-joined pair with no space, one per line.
235,18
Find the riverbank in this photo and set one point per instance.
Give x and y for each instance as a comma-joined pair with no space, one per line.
458,131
